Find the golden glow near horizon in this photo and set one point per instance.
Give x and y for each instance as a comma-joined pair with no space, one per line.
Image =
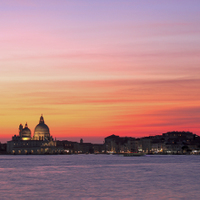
95,69
25,138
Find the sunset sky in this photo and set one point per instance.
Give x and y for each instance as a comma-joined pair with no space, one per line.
96,68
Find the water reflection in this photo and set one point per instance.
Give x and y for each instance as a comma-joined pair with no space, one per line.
99,177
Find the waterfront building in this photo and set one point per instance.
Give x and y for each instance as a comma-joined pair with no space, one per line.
146,144
168,143
41,142
116,144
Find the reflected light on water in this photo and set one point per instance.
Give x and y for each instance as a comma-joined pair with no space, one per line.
99,177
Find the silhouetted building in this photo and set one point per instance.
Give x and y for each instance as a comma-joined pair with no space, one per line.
168,143
40,143
43,143
116,144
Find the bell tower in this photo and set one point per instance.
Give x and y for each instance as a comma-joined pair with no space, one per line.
20,130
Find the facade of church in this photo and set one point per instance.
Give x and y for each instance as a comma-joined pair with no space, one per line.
41,142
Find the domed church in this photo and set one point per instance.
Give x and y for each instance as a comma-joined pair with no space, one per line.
41,131
24,133
41,142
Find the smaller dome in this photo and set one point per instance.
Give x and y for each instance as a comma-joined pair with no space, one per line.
26,133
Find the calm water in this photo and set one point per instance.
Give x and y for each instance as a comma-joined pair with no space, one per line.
99,177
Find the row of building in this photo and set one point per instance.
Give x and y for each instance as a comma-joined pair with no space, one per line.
167,143
43,143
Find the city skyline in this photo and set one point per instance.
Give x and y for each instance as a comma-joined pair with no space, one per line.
100,68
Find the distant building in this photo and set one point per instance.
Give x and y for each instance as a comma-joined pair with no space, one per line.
146,144
168,143
116,144
43,143
40,143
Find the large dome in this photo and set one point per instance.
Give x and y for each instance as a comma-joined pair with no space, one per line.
41,130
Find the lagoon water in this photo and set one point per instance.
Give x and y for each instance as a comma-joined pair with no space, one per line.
99,177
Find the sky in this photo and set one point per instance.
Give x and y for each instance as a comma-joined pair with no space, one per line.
96,68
